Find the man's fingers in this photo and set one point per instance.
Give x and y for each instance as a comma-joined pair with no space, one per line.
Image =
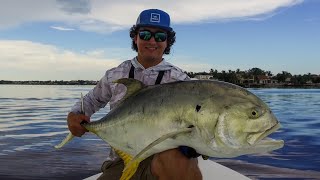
84,118
75,122
79,133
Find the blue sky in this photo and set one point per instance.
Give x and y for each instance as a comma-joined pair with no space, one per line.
81,39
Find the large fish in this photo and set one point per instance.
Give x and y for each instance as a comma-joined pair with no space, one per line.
217,119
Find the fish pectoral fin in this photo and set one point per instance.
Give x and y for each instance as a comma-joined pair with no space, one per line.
64,141
142,154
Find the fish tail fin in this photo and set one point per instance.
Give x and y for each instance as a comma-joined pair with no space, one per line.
64,141
131,165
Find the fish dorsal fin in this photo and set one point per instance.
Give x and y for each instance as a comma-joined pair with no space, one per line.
132,166
132,85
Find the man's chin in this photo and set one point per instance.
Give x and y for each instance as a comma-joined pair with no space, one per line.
153,58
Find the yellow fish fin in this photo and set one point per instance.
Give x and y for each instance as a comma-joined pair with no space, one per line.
130,169
124,156
130,166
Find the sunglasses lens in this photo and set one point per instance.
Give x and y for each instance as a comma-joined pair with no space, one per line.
145,35
160,36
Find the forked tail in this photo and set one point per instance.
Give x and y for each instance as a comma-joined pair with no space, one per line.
65,141
70,136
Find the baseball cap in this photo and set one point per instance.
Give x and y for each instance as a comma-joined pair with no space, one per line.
154,18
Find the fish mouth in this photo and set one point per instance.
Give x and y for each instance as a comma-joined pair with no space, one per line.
261,139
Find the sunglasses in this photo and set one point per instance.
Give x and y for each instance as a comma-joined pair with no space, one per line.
147,35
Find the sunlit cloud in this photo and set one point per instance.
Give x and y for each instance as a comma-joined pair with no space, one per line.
62,28
26,60
107,16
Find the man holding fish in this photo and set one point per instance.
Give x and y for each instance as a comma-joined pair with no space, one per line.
152,37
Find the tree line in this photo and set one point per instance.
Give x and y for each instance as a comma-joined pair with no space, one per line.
236,77
254,73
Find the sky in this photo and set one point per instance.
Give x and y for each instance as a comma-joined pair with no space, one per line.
81,39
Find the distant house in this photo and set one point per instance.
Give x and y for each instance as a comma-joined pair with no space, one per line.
263,79
203,77
274,81
309,82
287,80
247,80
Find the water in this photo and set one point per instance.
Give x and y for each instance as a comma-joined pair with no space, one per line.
32,120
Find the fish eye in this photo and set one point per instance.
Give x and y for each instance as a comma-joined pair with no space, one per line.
254,113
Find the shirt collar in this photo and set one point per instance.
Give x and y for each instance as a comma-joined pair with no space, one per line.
163,65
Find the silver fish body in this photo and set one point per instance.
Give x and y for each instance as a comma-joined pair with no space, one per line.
225,120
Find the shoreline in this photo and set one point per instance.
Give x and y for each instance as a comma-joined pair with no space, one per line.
85,82
282,86
81,83
49,82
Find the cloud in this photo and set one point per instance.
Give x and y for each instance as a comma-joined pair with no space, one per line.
26,60
106,16
62,28
75,6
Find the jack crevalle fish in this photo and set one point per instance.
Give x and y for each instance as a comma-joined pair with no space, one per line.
217,119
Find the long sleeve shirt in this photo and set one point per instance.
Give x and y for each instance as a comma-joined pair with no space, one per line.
107,92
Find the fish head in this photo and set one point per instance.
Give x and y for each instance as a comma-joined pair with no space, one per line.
243,124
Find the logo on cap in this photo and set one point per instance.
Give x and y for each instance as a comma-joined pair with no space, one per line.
155,17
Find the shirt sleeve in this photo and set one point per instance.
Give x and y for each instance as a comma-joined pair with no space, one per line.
177,74
96,98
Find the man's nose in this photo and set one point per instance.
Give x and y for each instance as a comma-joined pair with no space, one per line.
152,40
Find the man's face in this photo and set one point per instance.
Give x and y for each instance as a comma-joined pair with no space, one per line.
150,49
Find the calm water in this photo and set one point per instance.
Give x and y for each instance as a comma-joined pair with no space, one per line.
32,120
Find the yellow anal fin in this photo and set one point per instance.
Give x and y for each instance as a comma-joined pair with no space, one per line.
130,166
124,156
129,170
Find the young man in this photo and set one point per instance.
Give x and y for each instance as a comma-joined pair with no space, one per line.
152,37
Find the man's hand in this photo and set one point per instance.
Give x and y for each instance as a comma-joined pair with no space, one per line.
173,165
74,121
